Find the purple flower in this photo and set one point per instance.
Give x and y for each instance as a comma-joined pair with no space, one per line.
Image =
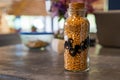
59,7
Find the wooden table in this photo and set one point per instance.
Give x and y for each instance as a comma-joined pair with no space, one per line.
19,63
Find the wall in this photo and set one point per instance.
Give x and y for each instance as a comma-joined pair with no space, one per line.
113,4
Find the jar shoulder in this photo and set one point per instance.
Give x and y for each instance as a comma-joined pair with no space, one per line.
76,20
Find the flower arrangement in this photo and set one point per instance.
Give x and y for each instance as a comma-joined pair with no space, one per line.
59,7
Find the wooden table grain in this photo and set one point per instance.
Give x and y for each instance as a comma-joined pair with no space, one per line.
19,63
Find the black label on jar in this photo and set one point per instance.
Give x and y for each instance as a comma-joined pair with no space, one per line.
78,48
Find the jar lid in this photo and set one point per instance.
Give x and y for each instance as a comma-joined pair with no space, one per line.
76,5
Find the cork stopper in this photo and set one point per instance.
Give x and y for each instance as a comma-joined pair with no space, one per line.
76,5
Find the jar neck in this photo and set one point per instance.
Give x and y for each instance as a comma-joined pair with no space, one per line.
81,12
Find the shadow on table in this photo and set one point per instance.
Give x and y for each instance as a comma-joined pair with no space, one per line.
76,75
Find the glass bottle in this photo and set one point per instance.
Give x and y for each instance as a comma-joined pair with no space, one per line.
76,36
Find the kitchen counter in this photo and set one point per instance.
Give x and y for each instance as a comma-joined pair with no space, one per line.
19,63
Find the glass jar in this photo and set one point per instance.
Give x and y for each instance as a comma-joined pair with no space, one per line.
76,36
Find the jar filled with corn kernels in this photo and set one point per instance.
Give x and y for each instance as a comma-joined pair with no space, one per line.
76,36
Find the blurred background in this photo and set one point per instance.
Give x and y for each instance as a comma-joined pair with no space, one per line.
36,16
22,15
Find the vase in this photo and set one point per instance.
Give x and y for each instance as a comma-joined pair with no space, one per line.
58,45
